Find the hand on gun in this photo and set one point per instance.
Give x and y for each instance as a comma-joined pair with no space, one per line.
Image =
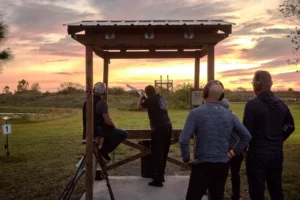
142,97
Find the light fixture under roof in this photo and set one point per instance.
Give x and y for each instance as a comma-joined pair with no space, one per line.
149,35
110,36
189,35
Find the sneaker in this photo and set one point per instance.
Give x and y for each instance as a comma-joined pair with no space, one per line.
105,155
156,184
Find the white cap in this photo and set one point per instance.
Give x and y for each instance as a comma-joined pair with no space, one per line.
100,88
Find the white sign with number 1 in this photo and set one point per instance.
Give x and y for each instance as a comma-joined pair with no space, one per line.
6,129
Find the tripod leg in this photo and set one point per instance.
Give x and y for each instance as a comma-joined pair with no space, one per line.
70,187
104,171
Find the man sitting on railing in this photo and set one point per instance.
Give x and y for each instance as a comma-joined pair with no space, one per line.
103,125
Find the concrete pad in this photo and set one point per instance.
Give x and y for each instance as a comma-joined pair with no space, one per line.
136,187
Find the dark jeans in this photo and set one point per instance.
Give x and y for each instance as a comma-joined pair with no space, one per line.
265,167
160,144
112,138
235,166
211,176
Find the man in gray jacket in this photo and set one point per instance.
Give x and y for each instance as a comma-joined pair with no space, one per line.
212,125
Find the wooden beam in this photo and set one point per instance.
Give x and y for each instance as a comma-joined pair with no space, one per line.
211,63
99,52
146,134
105,75
147,47
89,122
126,160
160,39
143,55
197,71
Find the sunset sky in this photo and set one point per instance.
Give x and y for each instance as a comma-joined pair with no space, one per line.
44,53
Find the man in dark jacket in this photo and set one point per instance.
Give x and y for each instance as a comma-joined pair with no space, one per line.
103,125
161,131
270,123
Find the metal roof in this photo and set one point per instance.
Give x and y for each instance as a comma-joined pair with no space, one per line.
149,22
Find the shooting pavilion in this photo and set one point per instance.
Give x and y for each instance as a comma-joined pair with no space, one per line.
144,39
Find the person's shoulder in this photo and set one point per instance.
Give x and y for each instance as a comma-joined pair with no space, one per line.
252,101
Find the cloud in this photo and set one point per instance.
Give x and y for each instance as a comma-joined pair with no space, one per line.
147,9
68,73
250,71
61,60
268,48
38,18
66,46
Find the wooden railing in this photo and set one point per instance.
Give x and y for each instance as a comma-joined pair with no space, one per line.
142,135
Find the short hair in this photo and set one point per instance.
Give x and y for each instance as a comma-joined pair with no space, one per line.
214,90
150,90
262,81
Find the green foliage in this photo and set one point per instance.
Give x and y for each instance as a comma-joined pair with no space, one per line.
70,88
116,91
5,55
291,9
22,86
6,90
35,87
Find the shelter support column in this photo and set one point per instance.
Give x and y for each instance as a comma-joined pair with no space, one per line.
197,72
210,63
105,74
89,122
196,86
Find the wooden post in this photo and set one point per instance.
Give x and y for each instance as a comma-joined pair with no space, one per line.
89,122
197,72
105,75
211,63
196,86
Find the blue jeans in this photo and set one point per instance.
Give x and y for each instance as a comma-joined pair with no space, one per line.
265,167
112,138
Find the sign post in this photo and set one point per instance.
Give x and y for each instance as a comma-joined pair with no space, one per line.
6,130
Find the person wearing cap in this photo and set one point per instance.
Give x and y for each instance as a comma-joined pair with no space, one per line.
270,123
212,125
161,131
103,125
236,162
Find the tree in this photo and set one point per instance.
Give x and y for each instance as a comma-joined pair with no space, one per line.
240,89
22,86
6,90
5,55
291,9
70,88
35,87
290,90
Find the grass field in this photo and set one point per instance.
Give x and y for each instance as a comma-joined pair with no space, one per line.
43,154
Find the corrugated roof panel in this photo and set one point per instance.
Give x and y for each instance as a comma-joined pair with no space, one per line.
148,22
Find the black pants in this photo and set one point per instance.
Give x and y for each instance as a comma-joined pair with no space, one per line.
235,166
211,176
160,144
265,167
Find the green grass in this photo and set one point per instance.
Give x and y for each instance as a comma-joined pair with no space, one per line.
43,154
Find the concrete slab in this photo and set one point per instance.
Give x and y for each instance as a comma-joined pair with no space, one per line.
136,188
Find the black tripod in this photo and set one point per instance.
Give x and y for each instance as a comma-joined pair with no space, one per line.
80,171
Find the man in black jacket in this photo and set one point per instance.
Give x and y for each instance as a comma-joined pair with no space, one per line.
103,125
270,123
161,130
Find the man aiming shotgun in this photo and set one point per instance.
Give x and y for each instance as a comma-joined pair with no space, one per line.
161,130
